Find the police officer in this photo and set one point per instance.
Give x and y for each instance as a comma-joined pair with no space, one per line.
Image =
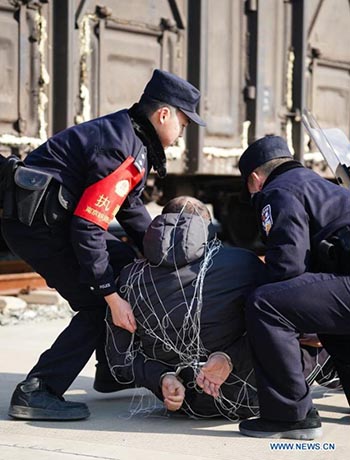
56,217
305,222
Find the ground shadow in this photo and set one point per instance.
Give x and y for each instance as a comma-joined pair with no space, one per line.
137,410
125,411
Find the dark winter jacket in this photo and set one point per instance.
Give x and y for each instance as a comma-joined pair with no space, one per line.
298,209
82,155
166,287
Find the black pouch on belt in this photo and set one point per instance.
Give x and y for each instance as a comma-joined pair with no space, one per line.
30,188
59,204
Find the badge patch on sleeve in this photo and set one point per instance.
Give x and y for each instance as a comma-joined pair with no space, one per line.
266,219
101,201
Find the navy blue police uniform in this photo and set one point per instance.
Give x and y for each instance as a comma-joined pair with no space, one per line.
75,256
55,217
305,222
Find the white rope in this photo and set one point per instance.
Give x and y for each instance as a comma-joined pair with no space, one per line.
184,342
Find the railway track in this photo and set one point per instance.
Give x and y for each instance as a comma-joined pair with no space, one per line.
16,275
12,283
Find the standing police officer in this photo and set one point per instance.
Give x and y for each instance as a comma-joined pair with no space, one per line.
305,221
56,216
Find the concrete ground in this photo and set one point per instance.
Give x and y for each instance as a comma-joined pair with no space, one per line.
130,425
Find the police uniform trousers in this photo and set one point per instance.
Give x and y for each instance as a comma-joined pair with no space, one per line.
275,315
49,252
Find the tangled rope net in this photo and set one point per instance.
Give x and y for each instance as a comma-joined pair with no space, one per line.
184,340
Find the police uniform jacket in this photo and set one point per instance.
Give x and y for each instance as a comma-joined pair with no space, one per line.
81,156
297,209
162,290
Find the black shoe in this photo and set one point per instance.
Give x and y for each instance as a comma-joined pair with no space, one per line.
106,383
309,428
32,400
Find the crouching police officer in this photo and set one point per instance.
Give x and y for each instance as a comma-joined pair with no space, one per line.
305,221
63,198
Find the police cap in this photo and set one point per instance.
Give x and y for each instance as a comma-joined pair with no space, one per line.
175,91
262,151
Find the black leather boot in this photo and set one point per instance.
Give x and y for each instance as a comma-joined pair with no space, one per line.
33,400
309,428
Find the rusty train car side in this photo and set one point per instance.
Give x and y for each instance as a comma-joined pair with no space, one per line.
258,63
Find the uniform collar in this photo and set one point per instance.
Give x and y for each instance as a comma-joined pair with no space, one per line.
284,167
148,135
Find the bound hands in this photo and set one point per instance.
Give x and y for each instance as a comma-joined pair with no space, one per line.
122,314
173,392
214,373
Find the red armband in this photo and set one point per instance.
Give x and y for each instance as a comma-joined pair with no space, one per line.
101,201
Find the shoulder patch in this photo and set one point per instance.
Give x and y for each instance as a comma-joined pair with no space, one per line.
266,219
140,159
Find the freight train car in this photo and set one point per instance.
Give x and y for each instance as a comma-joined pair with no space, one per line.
258,63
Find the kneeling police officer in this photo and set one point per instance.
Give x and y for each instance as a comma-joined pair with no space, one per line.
56,213
305,222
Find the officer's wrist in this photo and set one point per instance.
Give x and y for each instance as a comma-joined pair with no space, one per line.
104,289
